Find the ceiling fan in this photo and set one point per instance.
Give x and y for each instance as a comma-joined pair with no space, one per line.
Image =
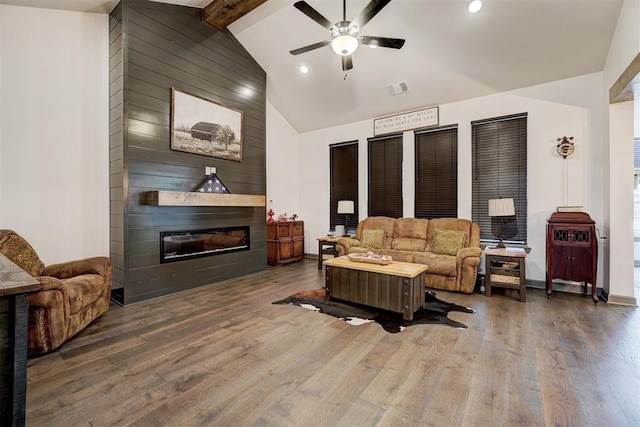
345,35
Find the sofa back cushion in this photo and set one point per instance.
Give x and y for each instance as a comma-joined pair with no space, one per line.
377,223
20,252
448,242
414,228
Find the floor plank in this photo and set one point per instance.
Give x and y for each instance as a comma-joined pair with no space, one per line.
223,354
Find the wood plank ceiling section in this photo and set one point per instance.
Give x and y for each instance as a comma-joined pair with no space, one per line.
221,13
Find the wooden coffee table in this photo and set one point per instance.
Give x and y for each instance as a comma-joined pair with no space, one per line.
397,286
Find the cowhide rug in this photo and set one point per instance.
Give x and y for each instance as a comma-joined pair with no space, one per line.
435,311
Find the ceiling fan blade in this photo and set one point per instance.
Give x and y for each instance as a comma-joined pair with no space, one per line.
304,7
381,41
347,63
310,47
369,12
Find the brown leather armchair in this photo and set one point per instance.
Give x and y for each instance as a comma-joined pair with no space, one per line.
73,293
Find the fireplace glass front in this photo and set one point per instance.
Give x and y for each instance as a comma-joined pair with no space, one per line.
180,245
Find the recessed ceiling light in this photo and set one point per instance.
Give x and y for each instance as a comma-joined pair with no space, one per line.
304,69
475,6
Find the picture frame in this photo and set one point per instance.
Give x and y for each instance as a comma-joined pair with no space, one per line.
205,127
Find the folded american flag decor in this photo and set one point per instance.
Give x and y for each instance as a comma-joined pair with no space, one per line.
211,184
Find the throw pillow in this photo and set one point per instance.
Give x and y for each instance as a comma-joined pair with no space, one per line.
373,239
447,242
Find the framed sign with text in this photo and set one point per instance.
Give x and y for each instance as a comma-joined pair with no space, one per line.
406,121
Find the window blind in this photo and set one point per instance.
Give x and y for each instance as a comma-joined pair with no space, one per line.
385,176
343,182
436,163
499,163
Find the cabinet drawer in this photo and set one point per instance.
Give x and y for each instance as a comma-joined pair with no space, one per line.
297,229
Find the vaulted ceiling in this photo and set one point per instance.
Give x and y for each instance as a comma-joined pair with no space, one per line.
449,54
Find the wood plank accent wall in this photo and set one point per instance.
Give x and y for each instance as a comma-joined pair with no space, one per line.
164,46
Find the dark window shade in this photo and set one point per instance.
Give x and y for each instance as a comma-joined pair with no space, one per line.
436,152
385,176
344,182
499,162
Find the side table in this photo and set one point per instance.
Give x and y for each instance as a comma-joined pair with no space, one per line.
505,268
15,285
326,246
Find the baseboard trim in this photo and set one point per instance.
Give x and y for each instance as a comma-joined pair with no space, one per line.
619,299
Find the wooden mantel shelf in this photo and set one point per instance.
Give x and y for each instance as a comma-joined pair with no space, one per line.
184,198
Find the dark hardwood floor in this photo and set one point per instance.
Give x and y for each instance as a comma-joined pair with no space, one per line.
223,355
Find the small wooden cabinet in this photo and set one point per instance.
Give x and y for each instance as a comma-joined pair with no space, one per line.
285,242
572,250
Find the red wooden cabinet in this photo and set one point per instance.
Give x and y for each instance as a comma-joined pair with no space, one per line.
572,250
285,242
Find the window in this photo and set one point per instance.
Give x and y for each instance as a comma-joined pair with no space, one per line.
436,173
385,176
499,165
344,181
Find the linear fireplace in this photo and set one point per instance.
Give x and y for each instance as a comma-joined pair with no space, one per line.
186,244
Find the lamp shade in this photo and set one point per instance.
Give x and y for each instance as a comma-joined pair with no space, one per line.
501,207
345,44
345,206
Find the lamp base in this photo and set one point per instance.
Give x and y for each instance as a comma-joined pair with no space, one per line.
500,246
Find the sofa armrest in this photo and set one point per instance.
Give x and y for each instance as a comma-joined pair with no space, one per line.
95,265
49,313
344,243
465,253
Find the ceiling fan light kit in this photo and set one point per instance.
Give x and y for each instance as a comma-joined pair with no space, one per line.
344,34
344,45
475,6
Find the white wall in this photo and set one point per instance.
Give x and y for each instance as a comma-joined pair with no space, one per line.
570,107
283,166
54,159
618,156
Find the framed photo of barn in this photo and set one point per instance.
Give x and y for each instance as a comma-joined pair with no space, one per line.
201,126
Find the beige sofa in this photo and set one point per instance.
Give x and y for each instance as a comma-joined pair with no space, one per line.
449,246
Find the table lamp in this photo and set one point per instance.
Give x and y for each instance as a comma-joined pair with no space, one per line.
346,207
501,208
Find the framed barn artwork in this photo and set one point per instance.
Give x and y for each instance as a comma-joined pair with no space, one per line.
202,126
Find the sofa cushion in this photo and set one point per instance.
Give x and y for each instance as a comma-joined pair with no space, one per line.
444,265
408,244
373,239
20,252
404,256
447,242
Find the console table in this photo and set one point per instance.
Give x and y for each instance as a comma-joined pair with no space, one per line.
15,285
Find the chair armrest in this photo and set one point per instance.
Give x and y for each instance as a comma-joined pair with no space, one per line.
95,265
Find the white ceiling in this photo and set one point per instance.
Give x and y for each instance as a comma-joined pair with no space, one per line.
449,54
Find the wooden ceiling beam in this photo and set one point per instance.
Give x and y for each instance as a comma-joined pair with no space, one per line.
221,13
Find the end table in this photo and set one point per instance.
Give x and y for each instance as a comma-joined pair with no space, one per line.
505,268
326,246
